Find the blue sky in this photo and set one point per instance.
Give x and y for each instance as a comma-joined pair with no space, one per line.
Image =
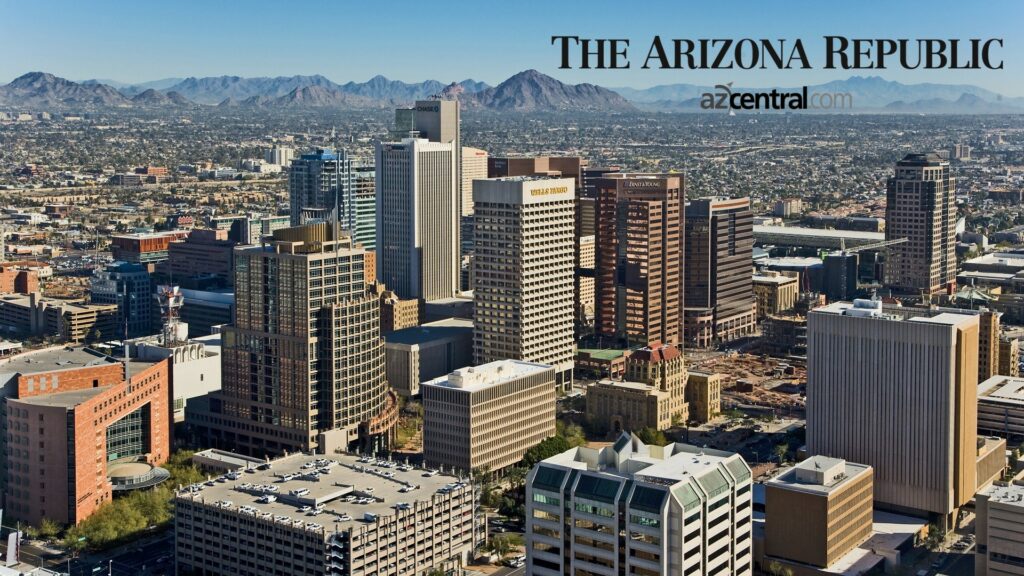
412,41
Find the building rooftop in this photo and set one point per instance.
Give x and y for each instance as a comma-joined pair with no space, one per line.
1011,494
659,353
475,378
1008,259
793,261
64,399
1002,390
440,330
780,279
638,386
50,359
292,488
818,474
602,353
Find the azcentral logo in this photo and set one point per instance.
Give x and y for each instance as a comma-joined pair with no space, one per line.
725,99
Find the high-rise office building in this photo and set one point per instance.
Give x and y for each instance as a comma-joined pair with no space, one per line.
279,155
717,271
630,508
317,180
474,167
549,166
638,245
899,394
523,272
418,218
921,207
130,287
303,361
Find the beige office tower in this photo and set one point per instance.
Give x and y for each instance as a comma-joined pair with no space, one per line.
523,272
474,167
418,218
584,278
303,362
486,417
921,207
899,394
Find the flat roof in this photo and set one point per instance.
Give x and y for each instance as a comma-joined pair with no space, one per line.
1012,259
774,279
484,376
1011,494
440,330
788,478
50,359
64,399
639,386
326,481
1002,390
602,353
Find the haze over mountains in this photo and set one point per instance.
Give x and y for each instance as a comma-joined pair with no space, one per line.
528,91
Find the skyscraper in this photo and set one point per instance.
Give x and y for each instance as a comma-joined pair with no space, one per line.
638,249
438,121
523,272
717,270
474,167
418,218
303,362
921,207
900,394
317,180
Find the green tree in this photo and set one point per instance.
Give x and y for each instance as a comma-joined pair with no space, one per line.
651,436
781,450
774,568
547,448
48,530
572,433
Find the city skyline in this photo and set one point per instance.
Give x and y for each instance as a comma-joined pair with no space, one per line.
228,42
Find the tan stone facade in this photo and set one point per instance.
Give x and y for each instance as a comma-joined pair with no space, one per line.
653,394
774,293
704,394
486,417
1009,357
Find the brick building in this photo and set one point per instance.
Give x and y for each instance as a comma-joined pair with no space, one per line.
70,418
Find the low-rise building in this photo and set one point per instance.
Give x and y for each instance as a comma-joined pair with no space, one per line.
630,508
1009,357
998,526
395,313
340,516
486,417
32,315
422,353
817,511
653,395
704,395
1001,407
774,293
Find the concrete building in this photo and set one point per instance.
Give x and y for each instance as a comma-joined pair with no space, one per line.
279,155
817,511
899,394
921,207
395,313
988,344
586,252
523,272
195,368
774,293
653,394
33,315
1009,357
332,516
17,279
998,526
486,417
79,425
418,218
130,287
205,310
630,508
317,353
203,260
717,271
704,395
1001,408
474,167
425,352
638,246
788,208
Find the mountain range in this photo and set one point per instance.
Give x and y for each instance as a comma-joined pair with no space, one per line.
528,91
